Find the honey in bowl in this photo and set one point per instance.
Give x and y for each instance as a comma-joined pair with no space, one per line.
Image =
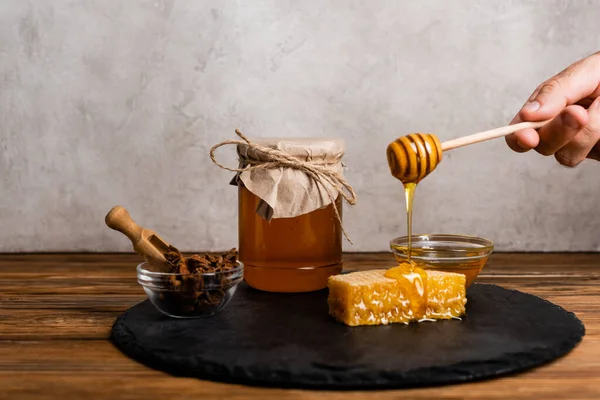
462,254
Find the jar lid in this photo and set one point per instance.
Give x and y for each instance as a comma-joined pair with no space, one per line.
289,192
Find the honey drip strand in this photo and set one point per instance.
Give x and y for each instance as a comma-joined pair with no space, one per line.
409,193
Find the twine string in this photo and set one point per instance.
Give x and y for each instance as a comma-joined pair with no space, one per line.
322,172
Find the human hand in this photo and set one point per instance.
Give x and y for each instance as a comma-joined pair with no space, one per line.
572,99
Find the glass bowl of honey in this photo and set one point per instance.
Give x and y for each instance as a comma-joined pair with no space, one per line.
462,254
194,295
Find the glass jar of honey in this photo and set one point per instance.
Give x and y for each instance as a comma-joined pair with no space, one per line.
290,236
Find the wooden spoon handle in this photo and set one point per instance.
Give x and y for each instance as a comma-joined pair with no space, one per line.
491,134
119,219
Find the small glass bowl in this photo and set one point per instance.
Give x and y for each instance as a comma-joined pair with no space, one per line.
449,253
189,295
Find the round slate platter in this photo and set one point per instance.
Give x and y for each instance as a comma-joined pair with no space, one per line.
289,340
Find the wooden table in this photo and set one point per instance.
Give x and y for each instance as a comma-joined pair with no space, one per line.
56,312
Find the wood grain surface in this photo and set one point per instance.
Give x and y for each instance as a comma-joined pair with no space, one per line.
56,311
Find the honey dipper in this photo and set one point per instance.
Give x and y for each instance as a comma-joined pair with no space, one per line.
145,241
413,157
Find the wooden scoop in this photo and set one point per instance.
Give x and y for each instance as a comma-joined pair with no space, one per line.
413,157
145,241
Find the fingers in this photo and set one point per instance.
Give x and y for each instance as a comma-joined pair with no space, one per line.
523,140
553,136
561,130
585,142
577,82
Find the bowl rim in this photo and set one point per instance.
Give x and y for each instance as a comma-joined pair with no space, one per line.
142,271
485,245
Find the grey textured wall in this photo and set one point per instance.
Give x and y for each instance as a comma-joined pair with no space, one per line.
117,102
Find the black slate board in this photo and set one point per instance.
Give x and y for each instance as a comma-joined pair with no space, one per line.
289,340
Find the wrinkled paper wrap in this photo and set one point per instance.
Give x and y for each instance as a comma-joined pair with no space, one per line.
288,192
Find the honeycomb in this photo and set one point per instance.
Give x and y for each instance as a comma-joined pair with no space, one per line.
381,297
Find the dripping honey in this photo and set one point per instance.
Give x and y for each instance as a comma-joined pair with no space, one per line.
412,158
409,194
470,268
288,254
413,281
409,275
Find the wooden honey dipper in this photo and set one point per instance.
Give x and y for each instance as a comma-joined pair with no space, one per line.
145,241
413,157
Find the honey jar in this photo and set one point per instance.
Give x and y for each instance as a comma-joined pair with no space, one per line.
290,219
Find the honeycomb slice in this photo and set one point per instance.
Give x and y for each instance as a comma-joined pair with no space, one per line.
372,298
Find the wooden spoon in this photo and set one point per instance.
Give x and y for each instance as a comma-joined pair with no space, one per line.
145,241
413,157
